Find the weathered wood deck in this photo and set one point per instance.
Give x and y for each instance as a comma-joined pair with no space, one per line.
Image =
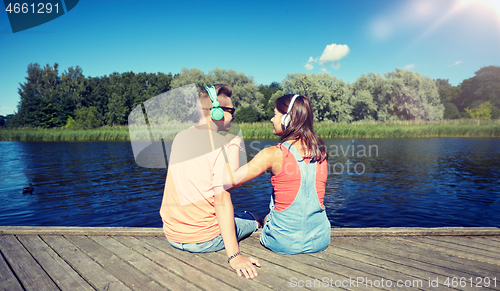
81,258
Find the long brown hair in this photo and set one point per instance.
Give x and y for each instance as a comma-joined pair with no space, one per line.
301,126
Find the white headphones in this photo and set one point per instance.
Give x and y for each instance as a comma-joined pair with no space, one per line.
286,119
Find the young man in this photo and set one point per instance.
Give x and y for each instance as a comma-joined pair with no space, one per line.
196,210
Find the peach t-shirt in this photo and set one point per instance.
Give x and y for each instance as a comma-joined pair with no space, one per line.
187,209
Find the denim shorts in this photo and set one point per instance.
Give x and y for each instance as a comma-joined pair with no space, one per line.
245,225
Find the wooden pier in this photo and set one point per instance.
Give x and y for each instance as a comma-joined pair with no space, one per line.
87,258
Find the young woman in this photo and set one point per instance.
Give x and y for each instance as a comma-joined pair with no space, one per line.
297,222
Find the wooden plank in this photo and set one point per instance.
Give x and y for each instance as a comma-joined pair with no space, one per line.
279,270
61,273
265,278
31,275
341,268
187,272
155,271
486,240
336,232
414,231
91,271
196,260
452,249
71,230
375,272
472,244
132,277
8,279
297,264
424,254
461,250
385,256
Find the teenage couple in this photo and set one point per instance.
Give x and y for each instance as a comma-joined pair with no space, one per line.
197,211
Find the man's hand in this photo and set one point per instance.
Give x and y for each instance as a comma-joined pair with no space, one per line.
245,265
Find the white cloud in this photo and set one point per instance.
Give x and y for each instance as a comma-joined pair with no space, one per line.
333,53
409,67
455,64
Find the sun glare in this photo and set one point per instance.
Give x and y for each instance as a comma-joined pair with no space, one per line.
492,6
481,10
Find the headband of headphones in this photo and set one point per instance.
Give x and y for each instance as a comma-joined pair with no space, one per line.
215,112
213,95
286,119
291,103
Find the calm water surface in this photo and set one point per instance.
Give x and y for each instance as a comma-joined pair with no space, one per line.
423,182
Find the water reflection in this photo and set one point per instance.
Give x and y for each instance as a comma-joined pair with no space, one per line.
425,182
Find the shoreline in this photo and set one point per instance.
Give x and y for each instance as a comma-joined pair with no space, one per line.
263,130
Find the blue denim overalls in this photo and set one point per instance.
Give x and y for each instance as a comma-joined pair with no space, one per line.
302,227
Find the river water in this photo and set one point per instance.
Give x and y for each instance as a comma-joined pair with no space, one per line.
411,182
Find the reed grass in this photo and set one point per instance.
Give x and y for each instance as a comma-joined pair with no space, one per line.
62,134
263,130
391,129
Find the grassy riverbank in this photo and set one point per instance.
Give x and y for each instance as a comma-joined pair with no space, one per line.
263,130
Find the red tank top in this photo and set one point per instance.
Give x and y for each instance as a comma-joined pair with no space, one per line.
286,183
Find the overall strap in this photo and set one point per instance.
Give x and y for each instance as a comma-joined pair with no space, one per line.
293,150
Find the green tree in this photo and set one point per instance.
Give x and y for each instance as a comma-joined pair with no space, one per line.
99,96
247,114
365,92
2,120
268,91
450,111
442,83
47,116
10,121
330,97
85,118
483,111
117,110
269,113
484,86
447,92
409,95
70,123
38,95
495,112
72,94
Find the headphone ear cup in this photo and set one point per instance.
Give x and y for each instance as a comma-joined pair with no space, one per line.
285,120
216,113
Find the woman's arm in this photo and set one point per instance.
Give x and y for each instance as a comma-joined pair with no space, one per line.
265,159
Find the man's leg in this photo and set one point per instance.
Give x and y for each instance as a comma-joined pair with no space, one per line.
246,224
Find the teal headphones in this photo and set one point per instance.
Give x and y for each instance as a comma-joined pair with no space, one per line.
215,112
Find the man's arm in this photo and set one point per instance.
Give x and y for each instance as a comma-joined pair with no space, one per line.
225,217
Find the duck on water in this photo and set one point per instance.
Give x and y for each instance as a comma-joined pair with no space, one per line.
28,189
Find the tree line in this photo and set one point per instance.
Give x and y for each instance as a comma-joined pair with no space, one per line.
48,99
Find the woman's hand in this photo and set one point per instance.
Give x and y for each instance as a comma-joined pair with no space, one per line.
245,266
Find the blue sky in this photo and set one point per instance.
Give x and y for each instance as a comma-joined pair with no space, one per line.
447,39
